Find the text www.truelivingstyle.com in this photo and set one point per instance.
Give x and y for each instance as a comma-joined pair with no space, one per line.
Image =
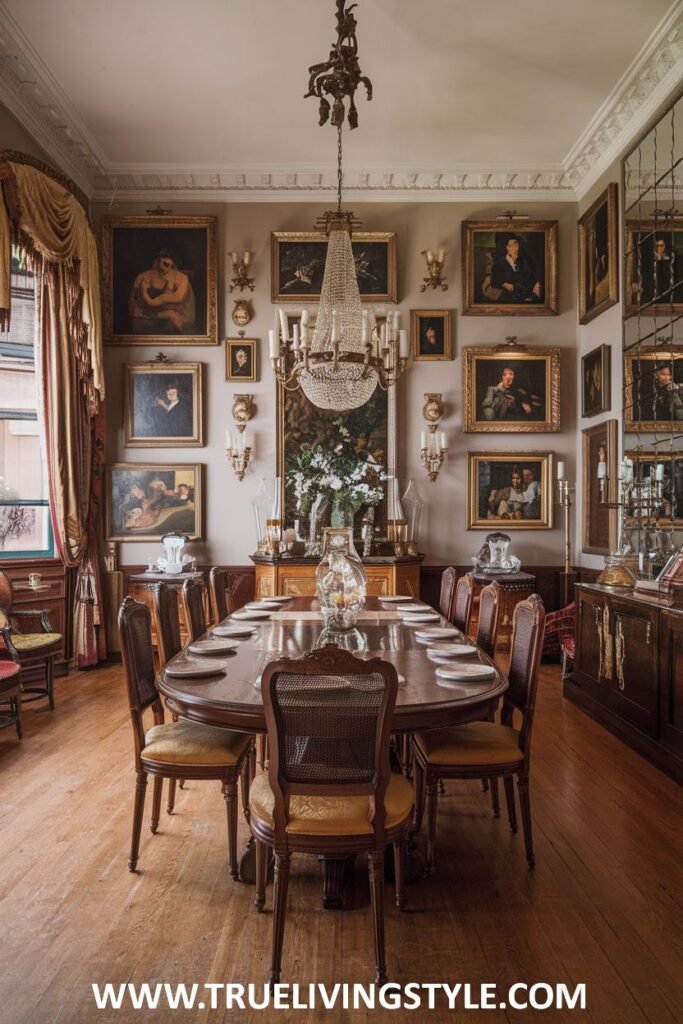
316,996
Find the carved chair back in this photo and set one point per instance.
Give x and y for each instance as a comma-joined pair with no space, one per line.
449,578
528,624
487,627
241,591
329,720
218,585
193,596
464,596
135,632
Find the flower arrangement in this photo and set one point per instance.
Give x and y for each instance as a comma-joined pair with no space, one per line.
346,476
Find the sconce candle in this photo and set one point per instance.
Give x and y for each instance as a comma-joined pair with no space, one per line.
602,470
560,471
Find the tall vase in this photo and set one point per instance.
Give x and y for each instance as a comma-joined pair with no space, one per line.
341,516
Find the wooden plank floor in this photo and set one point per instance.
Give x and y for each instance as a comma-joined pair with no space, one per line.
604,905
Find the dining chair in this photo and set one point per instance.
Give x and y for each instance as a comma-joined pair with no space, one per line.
30,641
172,750
241,592
193,597
449,578
487,626
487,749
464,597
167,623
218,586
329,789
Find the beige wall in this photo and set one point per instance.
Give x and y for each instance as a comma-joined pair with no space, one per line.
229,532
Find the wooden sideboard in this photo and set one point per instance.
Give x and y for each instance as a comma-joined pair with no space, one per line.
628,672
296,575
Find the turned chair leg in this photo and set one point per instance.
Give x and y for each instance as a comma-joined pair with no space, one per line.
400,871
525,808
509,784
376,873
261,742
432,801
138,811
245,779
419,791
156,802
279,911
230,795
171,796
261,874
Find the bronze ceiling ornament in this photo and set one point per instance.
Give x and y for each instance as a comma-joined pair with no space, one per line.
340,75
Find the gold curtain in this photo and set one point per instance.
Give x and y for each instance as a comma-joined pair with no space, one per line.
43,217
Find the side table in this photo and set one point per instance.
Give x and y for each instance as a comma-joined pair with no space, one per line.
514,587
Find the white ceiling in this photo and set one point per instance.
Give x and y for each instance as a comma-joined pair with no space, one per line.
207,86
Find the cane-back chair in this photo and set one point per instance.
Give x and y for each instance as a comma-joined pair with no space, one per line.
167,622
30,641
488,749
193,596
218,586
464,598
487,626
172,750
329,788
449,578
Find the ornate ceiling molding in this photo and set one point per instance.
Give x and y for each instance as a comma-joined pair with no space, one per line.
35,97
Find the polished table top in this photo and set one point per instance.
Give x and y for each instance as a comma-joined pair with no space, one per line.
231,699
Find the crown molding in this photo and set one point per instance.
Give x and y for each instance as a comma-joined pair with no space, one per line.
30,91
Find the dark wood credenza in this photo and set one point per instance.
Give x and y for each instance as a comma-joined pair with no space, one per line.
628,672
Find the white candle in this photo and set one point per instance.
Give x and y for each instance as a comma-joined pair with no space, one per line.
228,441
304,317
403,344
397,318
295,338
303,344
628,471
246,257
430,256
659,472
233,257
560,471
274,347
243,441
383,335
441,255
365,328
444,441
423,439
602,470
283,326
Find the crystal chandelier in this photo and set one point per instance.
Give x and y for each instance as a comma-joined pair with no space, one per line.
347,357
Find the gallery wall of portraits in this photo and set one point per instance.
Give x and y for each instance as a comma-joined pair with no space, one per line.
528,427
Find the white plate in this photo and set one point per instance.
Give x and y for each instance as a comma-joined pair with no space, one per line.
406,609
415,618
250,614
261,606
401,680
451,650
279,598
196,668
466,673
427,636
212,646
234,632
395,599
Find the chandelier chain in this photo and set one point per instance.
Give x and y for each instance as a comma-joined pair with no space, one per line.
340,173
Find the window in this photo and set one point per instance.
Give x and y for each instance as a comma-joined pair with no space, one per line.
25,525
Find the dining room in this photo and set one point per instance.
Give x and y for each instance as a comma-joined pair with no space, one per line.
358,690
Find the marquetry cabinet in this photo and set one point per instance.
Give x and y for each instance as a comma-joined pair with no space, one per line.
628,671
296,576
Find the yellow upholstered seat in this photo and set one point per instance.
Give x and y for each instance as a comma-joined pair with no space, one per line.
189,743
334,815
484,743
26,642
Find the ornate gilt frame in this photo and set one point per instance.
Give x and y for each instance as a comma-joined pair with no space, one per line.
197,468
650,354
416,315
210,337
670,458
648,225
546,482
590,491
609,198
276,237
247,343
472,308
197,439
504,354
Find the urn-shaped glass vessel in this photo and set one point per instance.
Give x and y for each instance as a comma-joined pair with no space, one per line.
340,580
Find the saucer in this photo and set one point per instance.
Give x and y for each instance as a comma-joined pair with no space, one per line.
249,613
451,650
427,636
197,668
466,673
233,631
213,646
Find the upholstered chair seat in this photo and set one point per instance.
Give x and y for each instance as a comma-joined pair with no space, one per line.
193,744
472,744
25,642
332,815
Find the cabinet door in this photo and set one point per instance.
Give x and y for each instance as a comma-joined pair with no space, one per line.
593,642
632,692
671,681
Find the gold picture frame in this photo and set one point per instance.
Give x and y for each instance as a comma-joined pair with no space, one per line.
653,390
654,256
671,509
499,492
155,417
432,334
598,520
132,274
495,404
596,381
241,359
298,264
144,501
598,240
494,286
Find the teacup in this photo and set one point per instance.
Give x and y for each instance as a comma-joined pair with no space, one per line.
34,579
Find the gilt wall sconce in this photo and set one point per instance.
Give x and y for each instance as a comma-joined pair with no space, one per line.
239,446
240,270
433,443
435,263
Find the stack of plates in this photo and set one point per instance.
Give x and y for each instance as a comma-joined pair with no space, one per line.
262,606
197,668
235,632
428,636
251,613
213,646
408,609
278,598
464,674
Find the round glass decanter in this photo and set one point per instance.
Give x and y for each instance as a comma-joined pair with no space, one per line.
340,580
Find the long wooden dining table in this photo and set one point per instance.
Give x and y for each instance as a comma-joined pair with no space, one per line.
232,698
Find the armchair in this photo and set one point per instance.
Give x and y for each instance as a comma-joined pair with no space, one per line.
30,641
